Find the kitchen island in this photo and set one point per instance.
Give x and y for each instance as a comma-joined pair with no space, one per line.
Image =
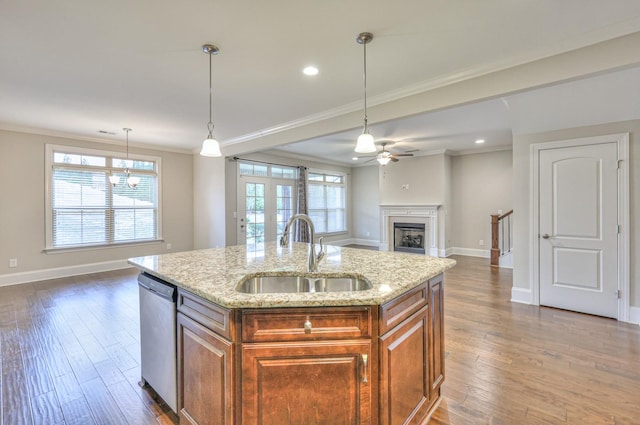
366,356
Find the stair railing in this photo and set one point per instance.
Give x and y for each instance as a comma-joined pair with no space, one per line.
501,236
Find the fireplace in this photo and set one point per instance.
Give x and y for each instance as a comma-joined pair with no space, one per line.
426,215
409,237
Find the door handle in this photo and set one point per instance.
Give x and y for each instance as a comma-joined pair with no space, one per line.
546,236
365,362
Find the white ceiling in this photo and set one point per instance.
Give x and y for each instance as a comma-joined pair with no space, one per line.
76,67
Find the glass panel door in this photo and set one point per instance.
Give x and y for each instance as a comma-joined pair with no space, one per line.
264,207
255,215
284,207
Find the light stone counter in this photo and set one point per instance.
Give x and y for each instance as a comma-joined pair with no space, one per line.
214,273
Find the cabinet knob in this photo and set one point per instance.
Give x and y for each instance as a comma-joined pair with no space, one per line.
307,327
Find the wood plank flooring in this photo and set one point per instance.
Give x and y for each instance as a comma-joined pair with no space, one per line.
69,354
511,363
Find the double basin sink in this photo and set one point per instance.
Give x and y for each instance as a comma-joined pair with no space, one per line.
272,284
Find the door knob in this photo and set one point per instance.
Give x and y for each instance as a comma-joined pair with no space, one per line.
546,236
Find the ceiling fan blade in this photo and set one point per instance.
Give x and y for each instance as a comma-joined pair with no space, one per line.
401,154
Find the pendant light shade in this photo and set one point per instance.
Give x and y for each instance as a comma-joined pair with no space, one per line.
210,146
365,142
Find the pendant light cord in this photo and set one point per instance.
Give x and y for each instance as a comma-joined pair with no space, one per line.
365,87
210,124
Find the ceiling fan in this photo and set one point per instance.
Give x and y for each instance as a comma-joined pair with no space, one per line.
384,156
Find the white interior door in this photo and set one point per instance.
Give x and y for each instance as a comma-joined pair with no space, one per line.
578,224
264,206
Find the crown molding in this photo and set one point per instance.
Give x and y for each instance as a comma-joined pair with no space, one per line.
65,135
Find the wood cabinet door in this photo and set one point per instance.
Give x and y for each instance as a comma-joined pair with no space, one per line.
205,380
404,371
437,335
323,382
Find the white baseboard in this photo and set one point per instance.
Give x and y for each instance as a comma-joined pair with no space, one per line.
365,242
470,252
45,274
634,315
521,295
446,252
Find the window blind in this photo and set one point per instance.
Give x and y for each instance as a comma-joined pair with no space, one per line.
86,210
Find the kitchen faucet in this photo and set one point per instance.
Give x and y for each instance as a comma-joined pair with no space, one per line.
313,258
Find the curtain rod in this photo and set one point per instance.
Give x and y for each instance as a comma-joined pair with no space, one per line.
236,158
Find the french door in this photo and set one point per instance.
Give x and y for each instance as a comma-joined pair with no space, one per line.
264,206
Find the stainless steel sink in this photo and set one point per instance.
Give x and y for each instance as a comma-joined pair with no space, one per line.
295,284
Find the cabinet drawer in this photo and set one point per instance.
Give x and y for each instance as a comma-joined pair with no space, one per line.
206,313
306,324
398,309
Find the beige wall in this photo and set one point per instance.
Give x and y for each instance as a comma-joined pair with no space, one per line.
231,192
482,184
425,176
22,205
365,202
521,196
208,202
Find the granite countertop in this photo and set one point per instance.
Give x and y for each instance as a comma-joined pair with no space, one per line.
214,273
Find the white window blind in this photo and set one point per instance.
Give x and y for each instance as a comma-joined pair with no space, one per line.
326,202
84,209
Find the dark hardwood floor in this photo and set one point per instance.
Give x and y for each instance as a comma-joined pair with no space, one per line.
69,354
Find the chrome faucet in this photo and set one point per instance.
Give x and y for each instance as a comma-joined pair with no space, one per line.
313,258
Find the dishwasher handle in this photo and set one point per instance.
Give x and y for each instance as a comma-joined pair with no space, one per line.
157,286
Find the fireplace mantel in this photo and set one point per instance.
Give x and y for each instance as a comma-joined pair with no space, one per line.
425,213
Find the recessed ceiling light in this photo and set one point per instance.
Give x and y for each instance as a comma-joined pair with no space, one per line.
355,158
480,141
310,70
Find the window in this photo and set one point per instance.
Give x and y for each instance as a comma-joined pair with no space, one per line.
327,202
84,209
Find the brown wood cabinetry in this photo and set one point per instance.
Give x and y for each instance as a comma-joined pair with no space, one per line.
326,382
318,365
436,339
205,380
404,371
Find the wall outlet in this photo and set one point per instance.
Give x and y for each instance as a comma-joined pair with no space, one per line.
13,262
405,186
481,242
168,246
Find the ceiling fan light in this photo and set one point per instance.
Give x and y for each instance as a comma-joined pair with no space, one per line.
114,180
383,160
365,144
210,147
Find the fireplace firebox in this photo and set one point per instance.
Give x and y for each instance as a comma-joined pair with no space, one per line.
409,237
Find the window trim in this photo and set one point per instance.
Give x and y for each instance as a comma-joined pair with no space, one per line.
49,164
344,185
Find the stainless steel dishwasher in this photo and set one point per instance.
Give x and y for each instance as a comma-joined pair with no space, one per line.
158,338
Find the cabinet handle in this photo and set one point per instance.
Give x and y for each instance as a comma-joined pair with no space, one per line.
365,362
307,327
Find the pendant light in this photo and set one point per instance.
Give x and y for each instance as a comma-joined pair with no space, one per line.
210,146
132,181
365,140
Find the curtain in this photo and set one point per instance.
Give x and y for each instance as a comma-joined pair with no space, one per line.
301,230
